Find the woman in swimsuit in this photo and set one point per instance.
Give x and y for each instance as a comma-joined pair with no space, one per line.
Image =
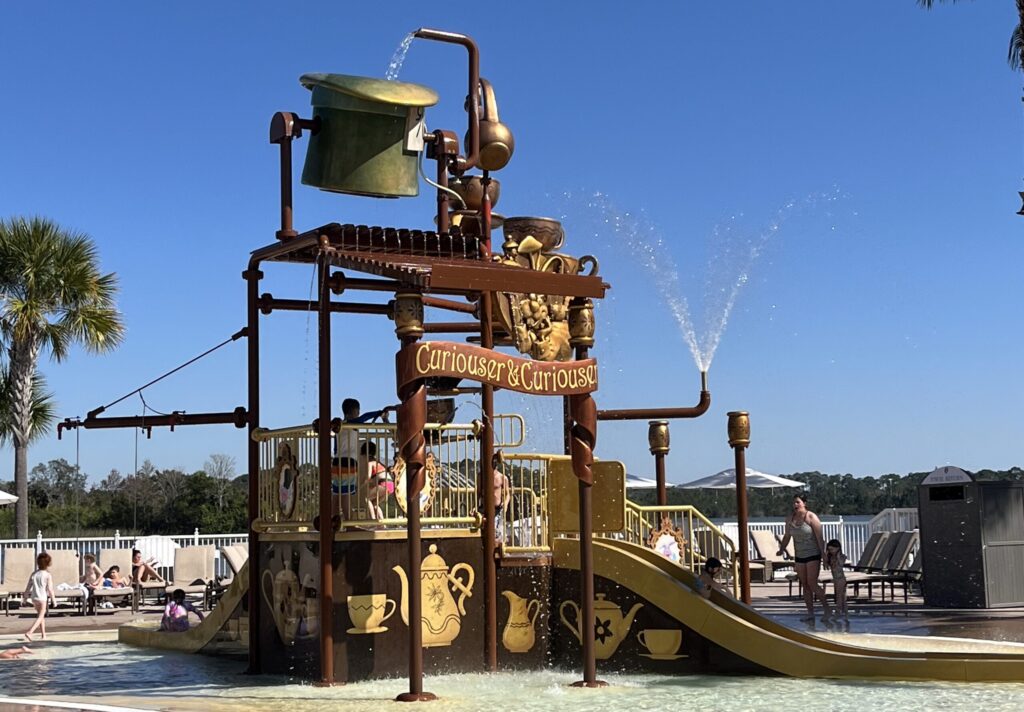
804,528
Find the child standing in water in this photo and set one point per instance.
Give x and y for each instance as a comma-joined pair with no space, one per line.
835,559
40,592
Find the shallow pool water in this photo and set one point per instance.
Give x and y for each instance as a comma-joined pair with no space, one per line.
91,671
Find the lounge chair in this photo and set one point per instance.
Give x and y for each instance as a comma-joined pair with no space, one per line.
235,555
122,559
899,558
66,572
18,566
708,544
193,571
767,545
905,578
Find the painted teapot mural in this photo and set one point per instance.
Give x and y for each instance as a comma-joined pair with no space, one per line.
441,613
519,635
610,626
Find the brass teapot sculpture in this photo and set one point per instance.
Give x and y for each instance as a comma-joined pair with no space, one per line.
610,626
441,613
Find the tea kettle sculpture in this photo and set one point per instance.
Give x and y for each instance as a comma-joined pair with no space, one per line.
441,613
610,626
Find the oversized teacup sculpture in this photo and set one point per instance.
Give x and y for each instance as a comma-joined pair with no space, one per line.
367,613
661,644
609,624
441,614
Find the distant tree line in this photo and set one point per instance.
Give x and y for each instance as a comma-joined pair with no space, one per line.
153,501
214,499
826,494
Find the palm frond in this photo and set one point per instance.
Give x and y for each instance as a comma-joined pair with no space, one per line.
42,414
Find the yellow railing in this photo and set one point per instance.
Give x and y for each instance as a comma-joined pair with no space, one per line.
524,526
364,490
702,538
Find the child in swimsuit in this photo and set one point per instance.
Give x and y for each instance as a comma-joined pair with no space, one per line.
835,559
176,612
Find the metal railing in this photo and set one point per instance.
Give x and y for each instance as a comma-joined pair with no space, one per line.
903,519
702,538
368,475
524,527
852,535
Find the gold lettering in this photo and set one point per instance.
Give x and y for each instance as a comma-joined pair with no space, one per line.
421,368
471,361
547,380
526,369
460,362
573,379
561,380
513,374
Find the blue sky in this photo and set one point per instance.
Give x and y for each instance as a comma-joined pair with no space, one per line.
878,331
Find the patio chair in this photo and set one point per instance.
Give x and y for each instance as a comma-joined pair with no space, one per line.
767,545
708,544
18,566
891,553
899,559
122,559
235,555
912,574
193,571
66,572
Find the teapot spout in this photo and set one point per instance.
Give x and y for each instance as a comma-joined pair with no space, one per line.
405,593
628,621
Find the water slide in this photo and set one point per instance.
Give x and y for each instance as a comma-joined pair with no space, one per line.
745,632
219,625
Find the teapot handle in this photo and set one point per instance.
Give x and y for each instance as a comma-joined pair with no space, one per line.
565,621
490,102
467,588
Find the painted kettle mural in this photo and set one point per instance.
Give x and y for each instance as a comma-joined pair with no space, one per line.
610,626
441,613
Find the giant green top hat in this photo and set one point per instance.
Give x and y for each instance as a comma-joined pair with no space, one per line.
370,135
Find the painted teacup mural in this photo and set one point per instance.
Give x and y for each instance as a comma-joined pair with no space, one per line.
369,612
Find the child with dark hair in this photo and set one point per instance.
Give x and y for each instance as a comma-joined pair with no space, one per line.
175,618
835,559
707,579
39,591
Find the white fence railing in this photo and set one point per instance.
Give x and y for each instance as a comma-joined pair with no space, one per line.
852,535
162,547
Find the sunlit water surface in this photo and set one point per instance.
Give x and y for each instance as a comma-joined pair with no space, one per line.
115,674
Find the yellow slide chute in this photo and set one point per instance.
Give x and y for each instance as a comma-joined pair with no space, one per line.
743,631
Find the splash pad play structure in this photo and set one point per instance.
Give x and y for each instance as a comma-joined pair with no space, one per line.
437,546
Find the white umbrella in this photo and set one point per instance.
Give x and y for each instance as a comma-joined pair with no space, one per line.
726,479
634,482
7,498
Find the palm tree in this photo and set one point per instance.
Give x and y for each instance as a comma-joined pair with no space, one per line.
1015,54
52,297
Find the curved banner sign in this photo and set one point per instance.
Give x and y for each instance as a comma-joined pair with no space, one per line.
425,359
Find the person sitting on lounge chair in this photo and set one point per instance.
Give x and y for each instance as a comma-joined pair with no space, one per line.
143,570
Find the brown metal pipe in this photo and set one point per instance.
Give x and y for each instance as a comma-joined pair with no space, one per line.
659,475
487,455
268,304
663,413
340,282
252,278
238,417
324,455
473,97
739,438
450,305
455,327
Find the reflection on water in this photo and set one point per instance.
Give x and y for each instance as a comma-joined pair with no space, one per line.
116,674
